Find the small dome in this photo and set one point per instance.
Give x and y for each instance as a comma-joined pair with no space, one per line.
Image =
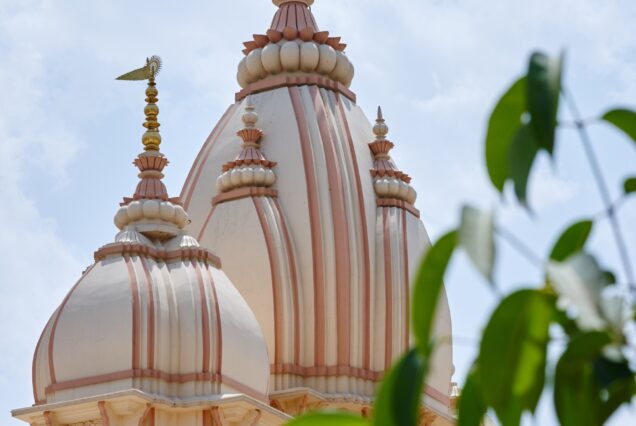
154,313
162,319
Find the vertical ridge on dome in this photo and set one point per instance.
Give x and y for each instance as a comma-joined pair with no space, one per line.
363,234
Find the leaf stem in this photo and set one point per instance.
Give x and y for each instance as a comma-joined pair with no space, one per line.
577,123
616,205
520,246
602,187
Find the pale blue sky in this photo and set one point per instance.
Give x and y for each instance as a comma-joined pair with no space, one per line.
69,131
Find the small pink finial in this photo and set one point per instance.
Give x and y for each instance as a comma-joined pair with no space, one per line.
281,2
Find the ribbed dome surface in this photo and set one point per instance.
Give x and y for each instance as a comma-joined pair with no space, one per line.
160,318
325,255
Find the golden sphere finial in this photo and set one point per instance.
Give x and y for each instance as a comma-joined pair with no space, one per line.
151,138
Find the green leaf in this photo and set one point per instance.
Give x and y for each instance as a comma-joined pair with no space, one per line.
629,185
543,90
623,119
572,240
471,407
610,277
399,399
620,392
576,391
512,355
579,281
428,286
608,372
504,121
523,151
335,418
476,236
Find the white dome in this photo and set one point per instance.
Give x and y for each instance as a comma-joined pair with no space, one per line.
163,319
325,256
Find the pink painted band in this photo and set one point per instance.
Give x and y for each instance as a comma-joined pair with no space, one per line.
205,319
291,260
366,274
276,281
340,229
407,288
394,202
124,249
248,191
160,375
150,309
388,291
103,413
314,222
278,81
136,314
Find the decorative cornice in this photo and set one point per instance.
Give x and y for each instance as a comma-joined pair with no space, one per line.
248,191
160,375
294,45
122,249
290,34
278,81
394,202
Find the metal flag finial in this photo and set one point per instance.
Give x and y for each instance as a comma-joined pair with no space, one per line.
151,138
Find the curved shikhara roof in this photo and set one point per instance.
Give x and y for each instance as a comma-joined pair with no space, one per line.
316,225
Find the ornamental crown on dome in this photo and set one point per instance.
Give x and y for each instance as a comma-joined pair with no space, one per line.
250,168
293,47
389,181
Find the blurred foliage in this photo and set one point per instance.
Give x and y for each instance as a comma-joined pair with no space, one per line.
579,304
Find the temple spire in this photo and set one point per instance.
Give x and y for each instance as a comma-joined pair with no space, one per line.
389,181
380,130
151,139
250,168
151,210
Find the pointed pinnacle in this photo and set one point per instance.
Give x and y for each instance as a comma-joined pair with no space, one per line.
380,117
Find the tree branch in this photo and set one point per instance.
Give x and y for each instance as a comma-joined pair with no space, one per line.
602,187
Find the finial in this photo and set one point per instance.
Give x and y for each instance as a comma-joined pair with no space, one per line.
380,129
281,2
250,117
151,138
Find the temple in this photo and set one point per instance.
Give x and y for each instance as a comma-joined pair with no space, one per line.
275,284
